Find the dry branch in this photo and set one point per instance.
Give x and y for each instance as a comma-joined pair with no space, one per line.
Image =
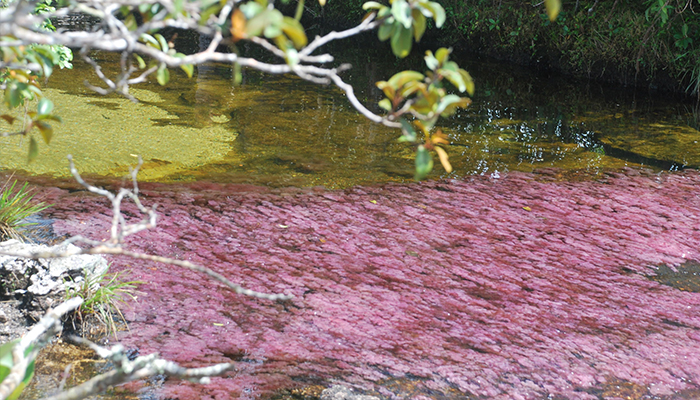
121,229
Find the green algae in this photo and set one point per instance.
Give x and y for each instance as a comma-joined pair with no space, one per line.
106,136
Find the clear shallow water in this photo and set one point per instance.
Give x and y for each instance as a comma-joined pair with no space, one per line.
281,131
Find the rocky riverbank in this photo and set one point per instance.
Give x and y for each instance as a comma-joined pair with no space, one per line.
30,287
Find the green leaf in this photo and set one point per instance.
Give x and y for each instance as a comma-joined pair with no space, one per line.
12,95
44,107
401,41
300,10
163,75
468,81
30,90
386,30
260,22
164,46
401,11
431,61
28,375
411,87
294,31
385,104
272,31
6,357
204,17
438,14
130,22
189,69
33,150
47,58
385,87
372,5
47,51
419,24
139,59
424,163
49,117
251,9
442,54
409,133
553,8
6,363
450,103
45,129
179,6
237,75
46,66
384,12
149,40
436,11
403,77
455,78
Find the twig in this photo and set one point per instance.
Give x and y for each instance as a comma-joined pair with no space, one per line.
45,329
120,229
368,24
141,367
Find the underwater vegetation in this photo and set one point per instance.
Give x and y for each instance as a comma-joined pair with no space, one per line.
525,286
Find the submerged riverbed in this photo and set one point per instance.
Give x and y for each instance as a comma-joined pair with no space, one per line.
554,262
518,287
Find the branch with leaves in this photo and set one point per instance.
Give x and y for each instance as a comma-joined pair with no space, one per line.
134,29
30,49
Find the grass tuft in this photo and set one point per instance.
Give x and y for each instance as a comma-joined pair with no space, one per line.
15,207
102,294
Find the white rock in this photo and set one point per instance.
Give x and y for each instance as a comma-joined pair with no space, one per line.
44,275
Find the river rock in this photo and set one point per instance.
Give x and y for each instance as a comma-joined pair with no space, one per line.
338,392
29,287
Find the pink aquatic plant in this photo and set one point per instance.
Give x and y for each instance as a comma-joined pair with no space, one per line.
522,287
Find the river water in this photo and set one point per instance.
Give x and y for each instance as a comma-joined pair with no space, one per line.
282,131
558,260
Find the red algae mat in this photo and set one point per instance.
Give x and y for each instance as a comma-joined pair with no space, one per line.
515,288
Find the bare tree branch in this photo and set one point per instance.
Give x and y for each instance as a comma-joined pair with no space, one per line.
41,333
350,93
120,229
368,24
141,367
116,37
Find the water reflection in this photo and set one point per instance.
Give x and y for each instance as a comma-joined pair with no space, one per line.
524,123
281,131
